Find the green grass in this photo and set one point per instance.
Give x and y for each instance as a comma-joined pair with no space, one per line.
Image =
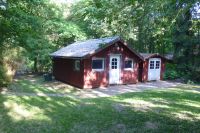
171,110
36,84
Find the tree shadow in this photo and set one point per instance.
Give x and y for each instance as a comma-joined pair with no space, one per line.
36,84
63,114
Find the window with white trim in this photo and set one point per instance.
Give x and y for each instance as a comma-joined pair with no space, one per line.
114,63
128,64
98,64
151,64
77,65
157,64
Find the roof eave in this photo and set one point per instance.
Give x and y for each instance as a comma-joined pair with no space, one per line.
67,57
156,54
134,51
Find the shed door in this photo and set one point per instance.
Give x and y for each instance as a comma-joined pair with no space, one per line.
154,69
114,71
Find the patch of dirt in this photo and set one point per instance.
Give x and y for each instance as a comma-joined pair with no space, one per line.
143,106
57,85
119,107
151,125
136,106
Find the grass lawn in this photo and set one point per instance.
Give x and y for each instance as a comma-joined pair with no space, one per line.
172,110
36,84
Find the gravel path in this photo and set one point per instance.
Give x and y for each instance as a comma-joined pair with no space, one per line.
103,91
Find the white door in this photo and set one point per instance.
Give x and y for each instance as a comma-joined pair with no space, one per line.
114,71
154,69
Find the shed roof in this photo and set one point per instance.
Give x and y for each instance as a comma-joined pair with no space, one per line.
149,55
169,56
83,48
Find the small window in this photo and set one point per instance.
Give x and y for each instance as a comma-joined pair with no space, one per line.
114,63
151,64
157,64
128,64
77,65
98,64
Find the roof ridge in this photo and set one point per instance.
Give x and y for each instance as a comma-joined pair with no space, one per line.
92,39
87,46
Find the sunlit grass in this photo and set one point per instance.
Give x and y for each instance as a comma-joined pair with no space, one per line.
171,110
18,112
37,85
149,111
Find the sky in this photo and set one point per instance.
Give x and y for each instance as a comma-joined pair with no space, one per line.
196,13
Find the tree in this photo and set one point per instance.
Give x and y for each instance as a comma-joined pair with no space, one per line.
36,27
149,26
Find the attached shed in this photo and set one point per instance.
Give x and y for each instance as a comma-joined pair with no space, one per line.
153,66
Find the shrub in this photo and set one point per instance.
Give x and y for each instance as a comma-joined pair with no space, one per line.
171,72
4,78
193,76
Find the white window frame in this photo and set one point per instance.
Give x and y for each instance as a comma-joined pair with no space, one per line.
131,64
157,67
103,64
76,68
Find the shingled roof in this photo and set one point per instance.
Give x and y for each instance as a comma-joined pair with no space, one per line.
88,47
84,48
149,55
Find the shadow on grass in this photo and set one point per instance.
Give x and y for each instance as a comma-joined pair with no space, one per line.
51,114
36,84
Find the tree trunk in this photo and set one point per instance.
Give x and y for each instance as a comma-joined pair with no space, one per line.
35,65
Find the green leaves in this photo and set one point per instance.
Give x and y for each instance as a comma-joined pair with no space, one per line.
39,27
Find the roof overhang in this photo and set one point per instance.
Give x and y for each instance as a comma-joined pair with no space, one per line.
66,57
113,42
156,55
118,39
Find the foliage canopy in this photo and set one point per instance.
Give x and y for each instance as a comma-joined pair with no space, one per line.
36,28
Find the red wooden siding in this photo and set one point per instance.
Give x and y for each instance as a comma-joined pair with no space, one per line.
145,70
94,79
163,62
63,70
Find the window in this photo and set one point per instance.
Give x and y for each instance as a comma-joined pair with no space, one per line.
128,65
114,63
151,64
98,64
157,64
77,65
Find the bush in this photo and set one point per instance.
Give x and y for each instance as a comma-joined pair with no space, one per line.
171,72
187,73
4,78
193,76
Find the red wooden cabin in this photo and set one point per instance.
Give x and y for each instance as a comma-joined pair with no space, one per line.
102,62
